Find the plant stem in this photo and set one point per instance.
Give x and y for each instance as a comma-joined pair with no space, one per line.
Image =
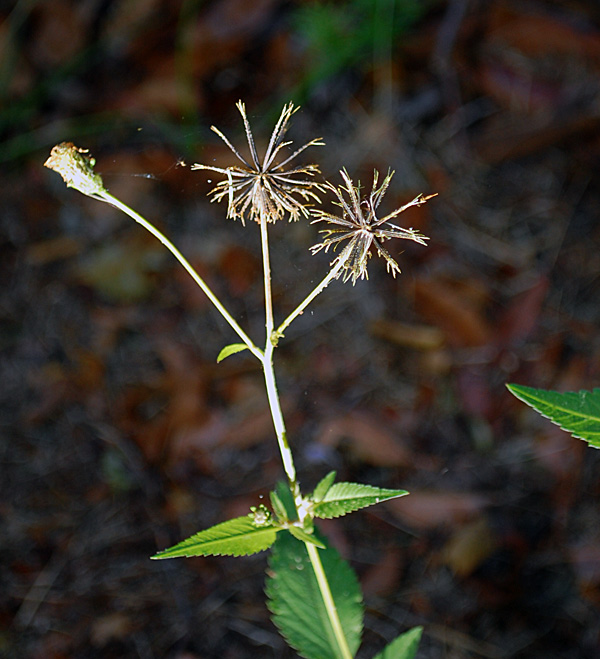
331,275
332,614
106,196
269,371
279,423
264,241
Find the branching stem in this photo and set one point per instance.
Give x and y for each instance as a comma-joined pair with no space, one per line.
279,423
106,196
331,275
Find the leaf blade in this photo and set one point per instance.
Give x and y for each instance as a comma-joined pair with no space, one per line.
343,498
231,349
578,413
323,486
295,601
404,646
235,537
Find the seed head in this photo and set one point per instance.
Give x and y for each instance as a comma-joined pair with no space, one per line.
359,224
267,189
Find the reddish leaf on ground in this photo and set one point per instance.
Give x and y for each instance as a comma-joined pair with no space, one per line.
427,510
367,438
460,316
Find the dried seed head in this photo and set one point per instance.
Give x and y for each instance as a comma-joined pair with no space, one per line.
76,168
266,189
360,225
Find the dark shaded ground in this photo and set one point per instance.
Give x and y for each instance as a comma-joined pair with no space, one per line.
120,434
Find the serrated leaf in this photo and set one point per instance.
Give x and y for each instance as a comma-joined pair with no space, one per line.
323,486
404,646
303,536
236,537
344,498
295,600
576,412
231,349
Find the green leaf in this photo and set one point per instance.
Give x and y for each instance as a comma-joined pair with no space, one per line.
344,498
231,349
236,537
323,486
303,536
278,507
403,647
295,600
287,499
575,412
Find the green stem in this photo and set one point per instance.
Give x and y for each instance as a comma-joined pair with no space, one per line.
331,275
106,196
332,614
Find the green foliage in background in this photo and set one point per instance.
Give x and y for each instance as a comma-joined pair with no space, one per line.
352,34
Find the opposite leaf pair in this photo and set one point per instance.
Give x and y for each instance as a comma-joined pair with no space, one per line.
258,530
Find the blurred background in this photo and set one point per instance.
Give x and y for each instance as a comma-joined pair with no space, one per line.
120,433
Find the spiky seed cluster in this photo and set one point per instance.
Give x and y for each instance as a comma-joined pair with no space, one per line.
360,225
266,189
76,168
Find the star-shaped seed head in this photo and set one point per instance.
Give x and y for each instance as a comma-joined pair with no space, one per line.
359,225
266,189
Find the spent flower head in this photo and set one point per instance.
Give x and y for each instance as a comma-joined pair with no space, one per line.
76,167
359,224
267,189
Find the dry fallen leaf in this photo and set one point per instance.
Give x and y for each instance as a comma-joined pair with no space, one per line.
110,627
427,510
369,441
468,547
460,317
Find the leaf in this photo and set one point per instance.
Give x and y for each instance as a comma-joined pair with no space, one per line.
323,486
278,507
287,499
231,349
344,498
295,600
303,536
403,647
575,412
236,537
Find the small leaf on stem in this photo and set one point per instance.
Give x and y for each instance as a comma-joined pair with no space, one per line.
303,536
231,349
404,646
344,498
323,486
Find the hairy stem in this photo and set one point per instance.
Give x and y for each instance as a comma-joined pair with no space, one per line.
106,196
